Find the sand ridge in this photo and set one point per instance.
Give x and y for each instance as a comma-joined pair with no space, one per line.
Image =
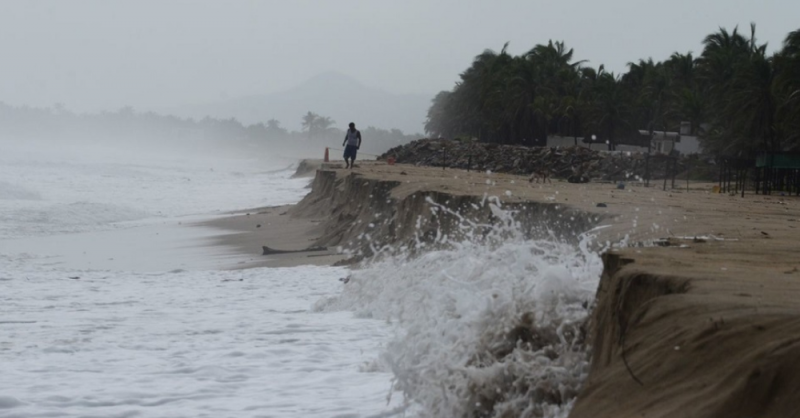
642,213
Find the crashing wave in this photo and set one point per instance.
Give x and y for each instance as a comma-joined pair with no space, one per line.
492,326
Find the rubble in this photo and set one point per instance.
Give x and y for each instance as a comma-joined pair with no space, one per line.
574,164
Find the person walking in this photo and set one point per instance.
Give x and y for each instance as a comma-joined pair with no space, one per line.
351,144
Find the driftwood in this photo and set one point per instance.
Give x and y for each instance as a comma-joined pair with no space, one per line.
272,251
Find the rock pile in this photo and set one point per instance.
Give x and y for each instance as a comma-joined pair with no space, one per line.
575,164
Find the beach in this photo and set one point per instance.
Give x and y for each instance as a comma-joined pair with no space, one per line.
634,215
467,293
695,312
559,210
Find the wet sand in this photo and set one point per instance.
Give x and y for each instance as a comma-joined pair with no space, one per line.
273,227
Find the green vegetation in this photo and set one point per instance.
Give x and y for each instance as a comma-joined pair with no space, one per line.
738,99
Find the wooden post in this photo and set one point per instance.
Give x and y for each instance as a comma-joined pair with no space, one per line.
688,172
674,170
744,180
758,179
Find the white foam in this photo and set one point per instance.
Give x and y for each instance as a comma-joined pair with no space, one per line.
87,328
43,194
215,343
488,327
111,342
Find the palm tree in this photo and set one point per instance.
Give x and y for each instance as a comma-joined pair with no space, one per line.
741,80
309,122
438,123
519,94
752,105
787,68
685,99
722,51
323,124
557,73
747,99
682,69
574,106
609,108
481,92
274,127
689,105
646,87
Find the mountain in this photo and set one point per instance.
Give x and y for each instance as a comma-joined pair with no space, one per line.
331,94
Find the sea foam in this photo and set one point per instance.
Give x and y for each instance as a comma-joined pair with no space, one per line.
490,326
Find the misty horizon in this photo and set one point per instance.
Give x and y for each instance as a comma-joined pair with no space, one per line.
312,94
95,56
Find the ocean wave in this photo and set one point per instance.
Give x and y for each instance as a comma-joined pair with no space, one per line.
48,196
106,343
489,327
66,218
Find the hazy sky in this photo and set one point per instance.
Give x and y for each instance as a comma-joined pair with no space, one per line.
103,54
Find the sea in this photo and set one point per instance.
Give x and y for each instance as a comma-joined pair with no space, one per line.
113,303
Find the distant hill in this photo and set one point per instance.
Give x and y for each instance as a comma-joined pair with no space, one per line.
331,94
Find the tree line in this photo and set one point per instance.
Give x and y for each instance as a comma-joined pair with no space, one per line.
737,98
59,123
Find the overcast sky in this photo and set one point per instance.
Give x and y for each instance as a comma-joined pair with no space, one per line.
103,54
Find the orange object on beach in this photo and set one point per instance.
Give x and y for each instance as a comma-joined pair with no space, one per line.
390,160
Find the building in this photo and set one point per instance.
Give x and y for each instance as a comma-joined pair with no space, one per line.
661,142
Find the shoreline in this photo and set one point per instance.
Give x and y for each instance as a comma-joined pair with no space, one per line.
333,212
274,227
698,324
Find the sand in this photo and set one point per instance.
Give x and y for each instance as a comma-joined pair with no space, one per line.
275,228
639,212
709,325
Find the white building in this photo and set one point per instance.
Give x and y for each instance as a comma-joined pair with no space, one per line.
661,142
